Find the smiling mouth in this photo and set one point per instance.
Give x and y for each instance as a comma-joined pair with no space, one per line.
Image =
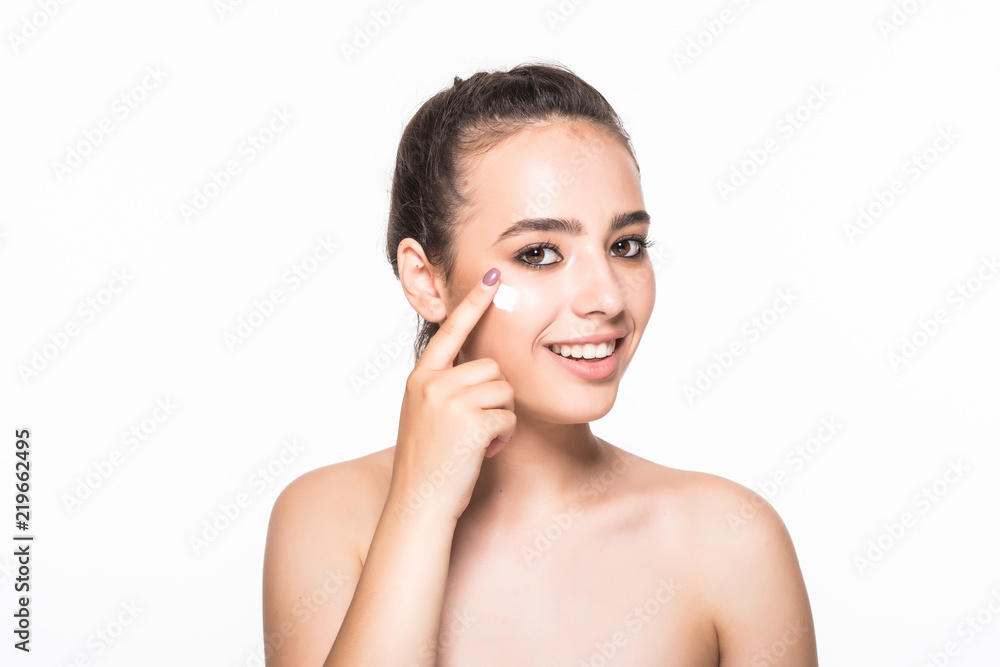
590,352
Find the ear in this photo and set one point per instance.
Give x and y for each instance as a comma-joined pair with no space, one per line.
423,284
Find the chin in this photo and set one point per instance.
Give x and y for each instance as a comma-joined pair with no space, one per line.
581,407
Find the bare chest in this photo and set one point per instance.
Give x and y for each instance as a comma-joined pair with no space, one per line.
583,594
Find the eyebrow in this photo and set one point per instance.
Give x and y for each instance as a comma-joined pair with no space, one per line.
570,226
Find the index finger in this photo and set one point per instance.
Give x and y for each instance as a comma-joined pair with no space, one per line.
444,345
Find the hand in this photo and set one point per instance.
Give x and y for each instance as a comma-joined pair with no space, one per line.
452,417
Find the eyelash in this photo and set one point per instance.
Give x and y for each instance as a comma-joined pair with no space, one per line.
643,241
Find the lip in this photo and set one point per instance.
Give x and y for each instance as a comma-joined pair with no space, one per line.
590,370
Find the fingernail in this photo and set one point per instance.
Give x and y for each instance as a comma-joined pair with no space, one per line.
491,277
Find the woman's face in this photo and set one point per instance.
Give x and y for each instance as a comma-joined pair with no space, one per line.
578,189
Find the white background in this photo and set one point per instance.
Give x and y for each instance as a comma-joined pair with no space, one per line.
719,262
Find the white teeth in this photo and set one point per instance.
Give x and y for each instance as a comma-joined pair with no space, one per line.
587,351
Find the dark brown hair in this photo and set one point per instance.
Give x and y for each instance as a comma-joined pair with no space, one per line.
466,119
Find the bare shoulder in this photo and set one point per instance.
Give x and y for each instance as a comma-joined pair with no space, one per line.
714,510
339,481
334,498
740,553
740,531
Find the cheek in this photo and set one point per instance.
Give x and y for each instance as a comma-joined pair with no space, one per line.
649,298
640,295
510,327
521,302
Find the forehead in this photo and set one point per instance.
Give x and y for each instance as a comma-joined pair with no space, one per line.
564,168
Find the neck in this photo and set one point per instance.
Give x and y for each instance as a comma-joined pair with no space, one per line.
542,469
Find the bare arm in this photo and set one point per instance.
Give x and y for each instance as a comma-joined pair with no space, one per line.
317,595
395,616
311,566
762,611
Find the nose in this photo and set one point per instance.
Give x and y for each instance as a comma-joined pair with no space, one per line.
596,288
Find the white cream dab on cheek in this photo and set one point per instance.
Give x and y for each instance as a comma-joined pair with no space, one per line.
505,298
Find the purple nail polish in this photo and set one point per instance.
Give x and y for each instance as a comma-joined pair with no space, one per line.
491,277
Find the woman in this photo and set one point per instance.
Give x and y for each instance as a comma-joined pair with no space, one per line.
500,530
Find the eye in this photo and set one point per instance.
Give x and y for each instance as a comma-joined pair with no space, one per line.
533,256
639,243
628,247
